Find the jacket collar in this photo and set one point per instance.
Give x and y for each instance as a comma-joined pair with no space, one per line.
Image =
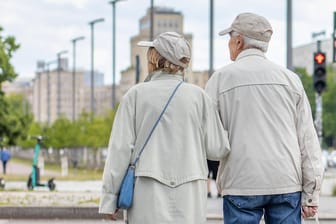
159,75
250,52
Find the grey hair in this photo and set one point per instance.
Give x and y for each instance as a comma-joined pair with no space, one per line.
253,43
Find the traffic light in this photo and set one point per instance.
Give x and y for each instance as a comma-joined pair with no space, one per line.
320,72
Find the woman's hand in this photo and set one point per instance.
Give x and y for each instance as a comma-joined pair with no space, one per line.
113,216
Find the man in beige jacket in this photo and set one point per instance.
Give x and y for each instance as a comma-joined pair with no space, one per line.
274,168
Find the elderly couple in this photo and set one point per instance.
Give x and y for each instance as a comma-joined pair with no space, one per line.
254,117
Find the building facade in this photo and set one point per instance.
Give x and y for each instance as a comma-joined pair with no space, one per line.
51,91
57,93
164,19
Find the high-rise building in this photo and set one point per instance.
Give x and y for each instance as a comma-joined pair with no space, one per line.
52,98
53,94
164,20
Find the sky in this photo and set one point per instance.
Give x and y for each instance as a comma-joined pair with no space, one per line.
45,27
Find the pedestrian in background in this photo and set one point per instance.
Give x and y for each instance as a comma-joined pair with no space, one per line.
171,174
5,157
274,167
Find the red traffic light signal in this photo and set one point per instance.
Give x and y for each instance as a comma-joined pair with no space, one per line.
320,82
319,58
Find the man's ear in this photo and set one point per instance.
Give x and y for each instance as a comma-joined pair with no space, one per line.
239,42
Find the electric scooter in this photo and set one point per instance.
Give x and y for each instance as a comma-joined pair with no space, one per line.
34,177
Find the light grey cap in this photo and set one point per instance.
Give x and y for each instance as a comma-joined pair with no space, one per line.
252,26
172,46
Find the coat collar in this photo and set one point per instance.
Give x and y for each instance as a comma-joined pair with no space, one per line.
158,75
250,52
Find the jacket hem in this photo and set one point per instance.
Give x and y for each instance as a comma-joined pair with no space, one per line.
284,190
172,182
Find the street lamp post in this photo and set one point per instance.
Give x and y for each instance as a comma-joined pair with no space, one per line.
152,21
92,23
38,78
289,35
59,54
113,3
211,13
74,75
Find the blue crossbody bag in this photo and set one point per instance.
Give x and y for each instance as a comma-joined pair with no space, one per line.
125,197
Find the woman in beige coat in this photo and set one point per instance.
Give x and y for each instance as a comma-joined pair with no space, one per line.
171,174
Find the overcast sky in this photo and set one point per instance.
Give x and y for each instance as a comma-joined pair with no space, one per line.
45,27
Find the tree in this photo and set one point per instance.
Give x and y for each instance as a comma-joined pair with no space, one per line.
84,132
8,123
328,103
60,134
34,130
307,82
8,45
329,109
94,133
15,118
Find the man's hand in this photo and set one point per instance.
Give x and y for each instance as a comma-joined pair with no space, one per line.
112,216
308,211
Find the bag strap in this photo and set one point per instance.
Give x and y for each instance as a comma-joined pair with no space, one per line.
156,123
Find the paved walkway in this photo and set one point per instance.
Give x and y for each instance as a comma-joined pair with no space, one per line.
24,169
69,194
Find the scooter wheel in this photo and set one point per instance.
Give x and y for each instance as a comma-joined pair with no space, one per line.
29,183
51,184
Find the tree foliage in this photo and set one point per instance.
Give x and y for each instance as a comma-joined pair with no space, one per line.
84,132
8,45
15,118
11,122
328,103
35,129
329,109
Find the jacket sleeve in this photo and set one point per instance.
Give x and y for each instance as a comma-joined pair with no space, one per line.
311,155
216,138
119,155
212,89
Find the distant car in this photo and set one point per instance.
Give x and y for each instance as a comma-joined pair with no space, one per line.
332,159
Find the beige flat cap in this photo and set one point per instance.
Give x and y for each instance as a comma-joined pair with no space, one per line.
252,26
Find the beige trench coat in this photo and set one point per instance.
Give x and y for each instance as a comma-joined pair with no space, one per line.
172,171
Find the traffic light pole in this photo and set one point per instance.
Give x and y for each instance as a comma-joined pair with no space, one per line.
318,45
334,40
318,116
319,84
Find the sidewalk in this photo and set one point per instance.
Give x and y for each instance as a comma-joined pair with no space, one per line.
80,199
24,169
84,205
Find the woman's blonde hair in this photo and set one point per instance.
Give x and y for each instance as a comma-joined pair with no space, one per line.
160,63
